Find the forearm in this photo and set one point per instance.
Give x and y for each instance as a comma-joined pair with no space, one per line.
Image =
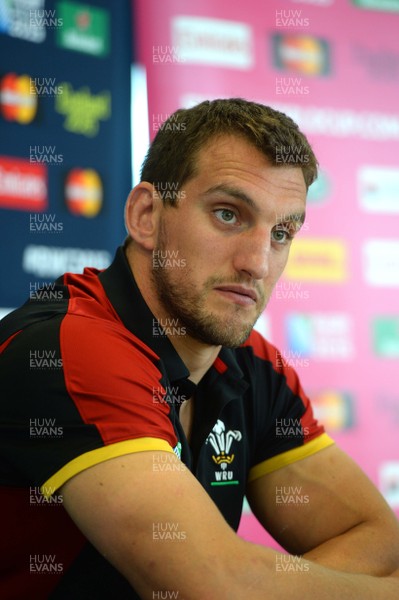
367,548
287,577
257,573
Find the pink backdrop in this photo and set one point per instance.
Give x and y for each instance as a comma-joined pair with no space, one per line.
333,65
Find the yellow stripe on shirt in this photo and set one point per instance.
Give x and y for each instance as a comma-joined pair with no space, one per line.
289,457
94,457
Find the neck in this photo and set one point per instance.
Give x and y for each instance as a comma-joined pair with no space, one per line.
197,356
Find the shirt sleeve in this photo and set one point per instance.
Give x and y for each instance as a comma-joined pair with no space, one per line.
286,429
79,391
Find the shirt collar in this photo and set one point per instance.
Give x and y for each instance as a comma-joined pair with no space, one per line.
125,296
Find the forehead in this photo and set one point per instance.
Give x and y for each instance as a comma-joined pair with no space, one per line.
232,159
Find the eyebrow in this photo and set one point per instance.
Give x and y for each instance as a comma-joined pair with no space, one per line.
234,193
293,217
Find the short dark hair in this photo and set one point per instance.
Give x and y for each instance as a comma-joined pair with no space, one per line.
171,158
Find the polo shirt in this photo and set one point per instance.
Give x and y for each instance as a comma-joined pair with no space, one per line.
89,374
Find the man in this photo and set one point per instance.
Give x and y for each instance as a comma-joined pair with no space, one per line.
164,404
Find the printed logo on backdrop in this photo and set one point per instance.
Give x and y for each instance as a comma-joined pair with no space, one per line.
388,475
383,5
23,184
85,28
49,262
223,444
334,409
388,403
21,19
213,42
378,189
319,190
318,260
340,123
321,336
83,110
381,262
385,331
299,53
380,65
263,326
178,450
18,100
83,192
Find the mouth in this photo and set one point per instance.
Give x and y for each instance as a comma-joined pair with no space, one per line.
238,294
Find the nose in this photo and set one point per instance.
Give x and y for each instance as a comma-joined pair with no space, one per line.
252,254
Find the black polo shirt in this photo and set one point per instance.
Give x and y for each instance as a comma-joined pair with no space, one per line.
89,374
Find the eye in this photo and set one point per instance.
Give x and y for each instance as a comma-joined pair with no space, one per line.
281,235
225,215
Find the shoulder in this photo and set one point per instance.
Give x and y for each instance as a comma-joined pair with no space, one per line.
267,354
102,354
271,370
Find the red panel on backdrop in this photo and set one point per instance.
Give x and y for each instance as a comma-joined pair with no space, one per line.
23,184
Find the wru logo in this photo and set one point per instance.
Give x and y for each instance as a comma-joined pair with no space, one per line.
221,441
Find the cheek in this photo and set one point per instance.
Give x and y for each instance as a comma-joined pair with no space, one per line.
279,263
189,250
196,247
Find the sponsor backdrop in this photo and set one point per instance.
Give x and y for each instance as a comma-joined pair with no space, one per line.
65,171
65,167
335,313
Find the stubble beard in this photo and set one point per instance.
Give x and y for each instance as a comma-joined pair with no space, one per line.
179,297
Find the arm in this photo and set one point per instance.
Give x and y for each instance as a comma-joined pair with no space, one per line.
121,506
325,507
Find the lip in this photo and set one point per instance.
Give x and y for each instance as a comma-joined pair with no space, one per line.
239,294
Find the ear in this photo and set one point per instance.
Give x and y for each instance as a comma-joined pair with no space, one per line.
141,214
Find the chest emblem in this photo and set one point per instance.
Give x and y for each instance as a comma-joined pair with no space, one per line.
221,442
